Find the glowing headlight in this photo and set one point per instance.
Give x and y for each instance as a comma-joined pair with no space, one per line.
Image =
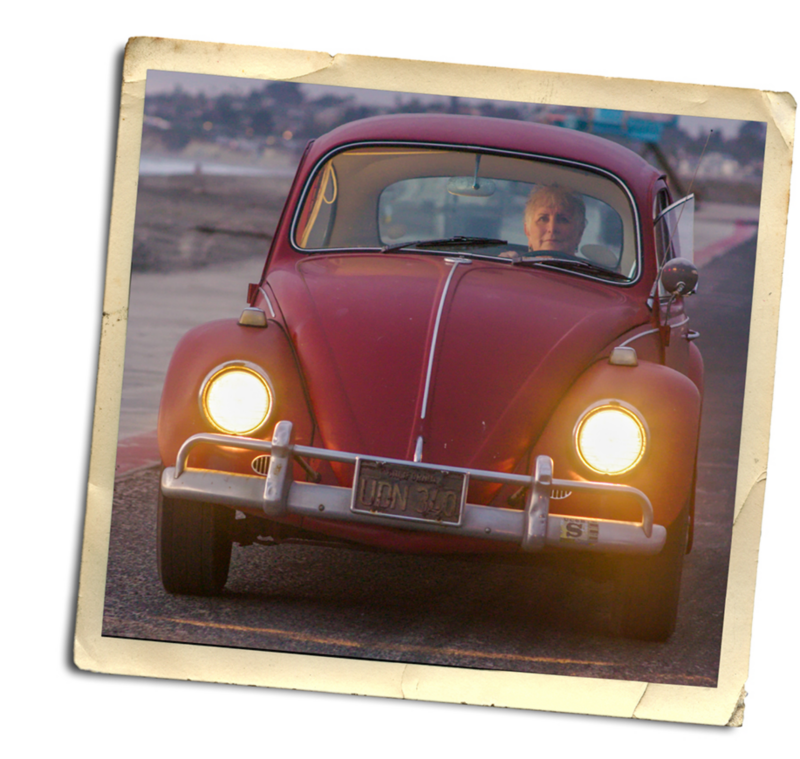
610,439
236,398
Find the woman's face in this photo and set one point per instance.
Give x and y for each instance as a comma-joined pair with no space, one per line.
552,226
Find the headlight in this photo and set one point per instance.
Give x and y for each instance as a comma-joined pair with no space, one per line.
610,438
236,398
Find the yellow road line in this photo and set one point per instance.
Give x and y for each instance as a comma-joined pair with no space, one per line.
390,646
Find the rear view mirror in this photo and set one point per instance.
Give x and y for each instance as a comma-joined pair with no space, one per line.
472,187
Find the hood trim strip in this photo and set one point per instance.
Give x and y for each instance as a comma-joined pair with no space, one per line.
432,352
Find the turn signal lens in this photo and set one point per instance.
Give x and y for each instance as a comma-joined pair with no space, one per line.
237,399
611,439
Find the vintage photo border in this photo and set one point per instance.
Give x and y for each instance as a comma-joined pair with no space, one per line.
422,682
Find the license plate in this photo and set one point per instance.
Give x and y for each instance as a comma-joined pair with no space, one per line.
406,491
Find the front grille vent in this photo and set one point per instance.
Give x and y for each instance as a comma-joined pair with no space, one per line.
260,464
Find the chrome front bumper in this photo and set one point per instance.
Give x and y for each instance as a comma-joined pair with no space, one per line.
532,529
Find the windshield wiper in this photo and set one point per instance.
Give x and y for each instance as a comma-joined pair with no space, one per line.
455,241
571,264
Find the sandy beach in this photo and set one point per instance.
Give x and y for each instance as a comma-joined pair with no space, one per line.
192,220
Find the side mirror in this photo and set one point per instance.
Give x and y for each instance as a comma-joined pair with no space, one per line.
679,277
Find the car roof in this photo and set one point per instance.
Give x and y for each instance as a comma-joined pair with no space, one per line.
494,133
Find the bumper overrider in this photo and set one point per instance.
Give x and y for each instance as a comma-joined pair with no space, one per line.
410,495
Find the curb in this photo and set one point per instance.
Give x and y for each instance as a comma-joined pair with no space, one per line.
137,453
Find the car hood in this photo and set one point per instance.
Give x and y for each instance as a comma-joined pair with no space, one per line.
510,342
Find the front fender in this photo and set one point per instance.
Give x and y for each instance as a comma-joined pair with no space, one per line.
198,353
668,402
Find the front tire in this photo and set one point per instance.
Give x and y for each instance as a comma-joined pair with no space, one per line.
194,546
648,587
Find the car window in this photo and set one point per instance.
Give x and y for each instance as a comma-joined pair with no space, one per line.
675,230
385,197
316,220
661,230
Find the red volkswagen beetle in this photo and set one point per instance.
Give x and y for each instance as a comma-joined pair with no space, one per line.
469,338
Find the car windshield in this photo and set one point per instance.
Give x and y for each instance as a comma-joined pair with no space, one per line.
441,201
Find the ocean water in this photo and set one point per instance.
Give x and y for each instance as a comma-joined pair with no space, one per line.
160,166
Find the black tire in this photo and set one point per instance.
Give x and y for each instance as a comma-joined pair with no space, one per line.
648,587
194,546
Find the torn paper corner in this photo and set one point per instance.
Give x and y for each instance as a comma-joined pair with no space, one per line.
332,61
783,109
80,656
737,716
641,698
220,59
755,494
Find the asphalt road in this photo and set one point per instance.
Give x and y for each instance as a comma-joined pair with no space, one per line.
539,619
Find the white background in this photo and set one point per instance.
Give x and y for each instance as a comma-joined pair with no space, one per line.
62,66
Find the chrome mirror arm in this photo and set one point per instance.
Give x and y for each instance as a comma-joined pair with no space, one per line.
651,299
679,277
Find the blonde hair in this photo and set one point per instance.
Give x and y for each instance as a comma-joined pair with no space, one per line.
555,195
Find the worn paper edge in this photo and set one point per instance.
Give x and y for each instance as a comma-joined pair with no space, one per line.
530,691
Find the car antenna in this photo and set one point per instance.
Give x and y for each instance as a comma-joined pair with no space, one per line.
691,186
651,298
